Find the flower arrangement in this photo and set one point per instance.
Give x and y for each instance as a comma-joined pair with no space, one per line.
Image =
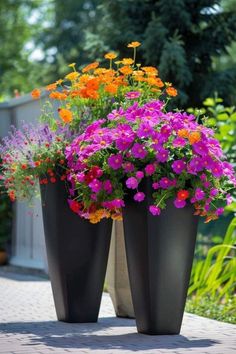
90,94
30,155
180,156
33,153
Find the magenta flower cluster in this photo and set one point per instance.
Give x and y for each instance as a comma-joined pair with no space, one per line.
181,157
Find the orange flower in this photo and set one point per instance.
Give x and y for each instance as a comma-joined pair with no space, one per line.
72,76
91,66
150,70
55,95
133,44
183,133
51,87
127,61
111,88
159,82
194,137
110,56
171,91
93,84
126,70
36,94
65,115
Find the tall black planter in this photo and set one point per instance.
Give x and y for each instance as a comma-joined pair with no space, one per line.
77,253
160,252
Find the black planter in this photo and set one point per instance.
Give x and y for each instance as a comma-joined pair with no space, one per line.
160,252
77,253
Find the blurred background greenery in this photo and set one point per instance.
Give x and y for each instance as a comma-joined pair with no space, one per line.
193,44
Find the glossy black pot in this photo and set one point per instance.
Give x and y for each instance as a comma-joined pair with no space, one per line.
160,252
77,253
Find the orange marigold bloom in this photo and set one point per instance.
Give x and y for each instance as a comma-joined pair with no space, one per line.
159,82
36,94
72,76
150,70
126,70
51,87
127,61
55,95
111,88
91,66
110,56
133,44
194,137
65,115
93,84
171,91
183,133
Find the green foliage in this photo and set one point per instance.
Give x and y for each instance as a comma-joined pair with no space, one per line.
18,73
207,306
181,37
216,275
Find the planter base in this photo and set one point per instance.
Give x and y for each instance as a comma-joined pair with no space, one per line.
77,254
160,252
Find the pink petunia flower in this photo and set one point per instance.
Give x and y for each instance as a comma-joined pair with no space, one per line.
132,183
132,95
138,151
178,166
139,196
154,210
150,169
95,185
199,194
179,203
115,161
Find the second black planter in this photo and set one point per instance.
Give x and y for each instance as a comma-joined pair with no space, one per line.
160,252
77,253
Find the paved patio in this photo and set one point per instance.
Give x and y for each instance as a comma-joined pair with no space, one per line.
28,325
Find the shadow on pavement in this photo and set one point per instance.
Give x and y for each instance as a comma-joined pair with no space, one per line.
93,336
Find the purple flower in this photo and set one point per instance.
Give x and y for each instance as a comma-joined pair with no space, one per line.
132,95
216,170
107,186
178,166
179,203
179,142
154,210
214,192
162,155
138,151
139,174
122,144
165,183
200,148
195,165
219,211
128,167
199,194
155,185
116,114
139,197
132,183
95,185
144,130
113,204
115,161
150,169
229,199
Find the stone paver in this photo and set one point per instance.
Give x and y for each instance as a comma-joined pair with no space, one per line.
28,325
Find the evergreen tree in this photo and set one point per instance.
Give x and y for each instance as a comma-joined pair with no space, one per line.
180,37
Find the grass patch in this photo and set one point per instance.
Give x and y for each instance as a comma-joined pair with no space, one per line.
207,306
